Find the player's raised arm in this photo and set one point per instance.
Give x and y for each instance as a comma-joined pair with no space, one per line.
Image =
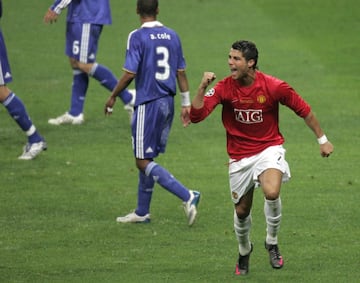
207,79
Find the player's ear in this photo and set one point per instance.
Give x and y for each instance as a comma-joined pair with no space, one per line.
251,63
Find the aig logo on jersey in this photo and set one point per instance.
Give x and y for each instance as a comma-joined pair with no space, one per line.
248,116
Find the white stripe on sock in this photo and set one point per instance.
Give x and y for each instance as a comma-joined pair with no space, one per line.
31,131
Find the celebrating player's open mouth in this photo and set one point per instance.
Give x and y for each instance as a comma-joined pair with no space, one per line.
237,66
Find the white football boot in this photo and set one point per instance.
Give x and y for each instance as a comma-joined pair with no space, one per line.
31,150
134,218
67,119
191,205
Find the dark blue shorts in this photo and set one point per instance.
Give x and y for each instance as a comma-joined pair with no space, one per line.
151,127
5,72
82,41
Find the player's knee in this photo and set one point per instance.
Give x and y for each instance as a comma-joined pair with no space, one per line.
4,93
272,195
73,63
242,211
141,164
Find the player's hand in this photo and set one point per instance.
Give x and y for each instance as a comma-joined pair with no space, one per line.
50,17
326,149
109,105
185,115
207,79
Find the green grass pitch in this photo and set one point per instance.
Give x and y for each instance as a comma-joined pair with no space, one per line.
57,212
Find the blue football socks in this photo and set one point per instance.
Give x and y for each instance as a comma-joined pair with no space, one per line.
109,81
167,181
145,189
17,111
79,88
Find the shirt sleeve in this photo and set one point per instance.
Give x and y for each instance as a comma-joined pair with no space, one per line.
133,53
211,99
59,5
290,98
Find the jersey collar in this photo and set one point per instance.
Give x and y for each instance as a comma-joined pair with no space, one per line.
152,24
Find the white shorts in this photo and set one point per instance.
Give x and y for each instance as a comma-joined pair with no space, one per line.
243,174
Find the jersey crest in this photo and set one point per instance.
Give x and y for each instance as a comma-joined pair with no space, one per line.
261,99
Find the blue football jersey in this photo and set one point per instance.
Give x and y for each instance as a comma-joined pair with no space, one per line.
85,11
154,53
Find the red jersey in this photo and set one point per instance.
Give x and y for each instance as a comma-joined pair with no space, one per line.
250,114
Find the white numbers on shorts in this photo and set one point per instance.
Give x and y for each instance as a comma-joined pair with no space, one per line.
76,47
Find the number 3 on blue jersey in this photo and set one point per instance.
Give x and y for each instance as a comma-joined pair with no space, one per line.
163,63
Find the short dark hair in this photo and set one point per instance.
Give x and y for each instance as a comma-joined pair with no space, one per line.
147,7
248,49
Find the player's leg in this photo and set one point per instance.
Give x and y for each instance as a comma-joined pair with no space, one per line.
270,181
142,213
81,47
87,61
145,190
274,171
16,108
242,222
165,179
153,123
151,127
17,111
242,190
108,80
75,48
79,88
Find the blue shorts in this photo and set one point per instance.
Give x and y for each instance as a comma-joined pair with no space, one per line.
82,41
5,72
151,126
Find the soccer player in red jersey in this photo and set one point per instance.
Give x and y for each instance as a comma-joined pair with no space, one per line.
250,102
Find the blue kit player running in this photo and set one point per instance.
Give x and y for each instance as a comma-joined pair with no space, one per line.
84,23
16,108
154,58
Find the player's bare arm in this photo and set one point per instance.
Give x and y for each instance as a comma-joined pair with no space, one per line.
326,147
207,79
122,84
185,97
